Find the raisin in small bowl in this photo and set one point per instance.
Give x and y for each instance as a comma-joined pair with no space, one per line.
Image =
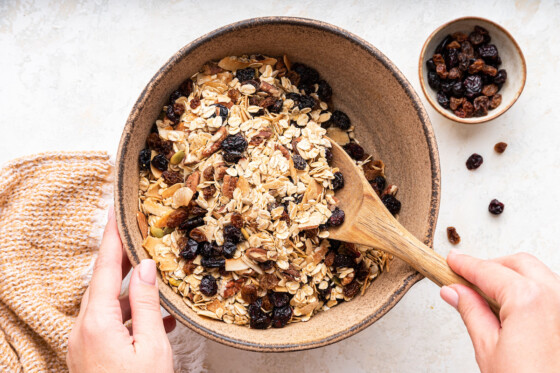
471,70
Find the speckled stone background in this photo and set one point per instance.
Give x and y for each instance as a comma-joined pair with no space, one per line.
70,72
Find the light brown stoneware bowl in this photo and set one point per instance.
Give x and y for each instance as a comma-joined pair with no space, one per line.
390,121
513,62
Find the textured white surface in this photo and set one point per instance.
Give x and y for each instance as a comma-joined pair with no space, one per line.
71,71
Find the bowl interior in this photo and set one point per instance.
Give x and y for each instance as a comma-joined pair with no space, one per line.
391,123
512,61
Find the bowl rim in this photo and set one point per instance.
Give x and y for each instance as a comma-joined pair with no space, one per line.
447,113
434,166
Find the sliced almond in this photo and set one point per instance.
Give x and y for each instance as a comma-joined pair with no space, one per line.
313,191
153,207
153,191
182,197
236,265
232,64
256,254
142,224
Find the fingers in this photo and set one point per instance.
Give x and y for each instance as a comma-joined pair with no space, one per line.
147,324
492,278
125,308
527,265
107,274
125,266
482,325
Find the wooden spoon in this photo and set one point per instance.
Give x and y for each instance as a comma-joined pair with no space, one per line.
368,222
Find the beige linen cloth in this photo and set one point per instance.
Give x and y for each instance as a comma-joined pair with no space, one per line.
53,207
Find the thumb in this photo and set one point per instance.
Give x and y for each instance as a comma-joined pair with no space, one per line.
482,325
147,325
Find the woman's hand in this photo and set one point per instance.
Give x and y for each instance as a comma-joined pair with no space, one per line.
527,336
99,341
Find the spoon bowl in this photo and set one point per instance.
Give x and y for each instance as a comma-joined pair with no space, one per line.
368,222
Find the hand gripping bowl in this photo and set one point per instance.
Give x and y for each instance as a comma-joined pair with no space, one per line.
391,123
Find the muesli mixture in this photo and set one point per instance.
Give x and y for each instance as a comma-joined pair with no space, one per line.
237,193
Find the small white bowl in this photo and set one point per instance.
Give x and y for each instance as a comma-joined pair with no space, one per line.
512,61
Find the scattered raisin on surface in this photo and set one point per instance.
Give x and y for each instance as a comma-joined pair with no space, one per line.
354,150
299,162
337,217
338,181
281,316
144,159
500,147
474,161
496,207
189,248
453,236
160,162
232,234
246,74
391,203
208,286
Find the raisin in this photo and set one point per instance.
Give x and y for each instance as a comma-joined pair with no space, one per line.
186,87
209,191
213,262
172,177
206,249
258,319
343,261
476,66
433,80
447,87
176,218
458,89
378,184
473,86
337,218
299,162
280,299
232,157
463,62
340,120
451,58
276,107
306,102
171,114
454,73
354,150
476,38
232,234
500,147
488,52
229,249
307,75
328,155
474,161
352,289
324,91
246,74
189,248
178,109
441,71
144,159
160,162
234,143
196,210
325,294
192,223
467,49
443,100
174,96
249,293
222,111
481,104
431,65
195,102
281,316
208,286
338,181
500,77
266,265
489,70
441,46
237,220
392,204
496,207
268,281
453,236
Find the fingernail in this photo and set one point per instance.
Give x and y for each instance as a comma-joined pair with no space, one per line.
454,252
450,296
148,271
